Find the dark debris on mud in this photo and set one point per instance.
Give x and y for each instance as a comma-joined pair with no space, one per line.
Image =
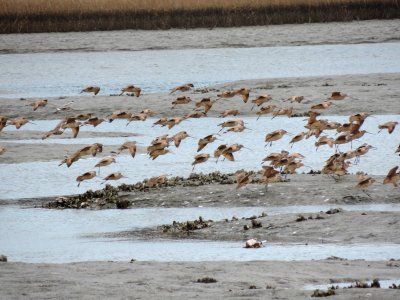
113,197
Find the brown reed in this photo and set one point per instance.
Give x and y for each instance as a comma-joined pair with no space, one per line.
23,16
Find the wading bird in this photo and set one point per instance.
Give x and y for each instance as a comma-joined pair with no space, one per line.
19,122
2,150
173,122
274,136
244,93
364,182
130,145
108,160
229,112
297,138
163,122
113,176
181,100
337,96
227,94
119,114
265,110
283,112
297,99
231,123
155,181
83,117
260,100
182,88
390,126
39,103
322,105
392,177
91,89
179,137
243,179
200,158
131,89
205,141
206,103
3,122
85,176
94,121
156,153
219,150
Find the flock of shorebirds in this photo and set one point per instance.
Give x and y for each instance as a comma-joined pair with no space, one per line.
279,164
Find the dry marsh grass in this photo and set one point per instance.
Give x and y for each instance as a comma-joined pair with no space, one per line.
83,15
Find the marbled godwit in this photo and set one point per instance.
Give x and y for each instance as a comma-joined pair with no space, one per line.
231,123
90,150
179,137
219,150
83,117
206,103
229,112
139,117
94,121
108,160
337,96
243,179
265,110
3,150
181,100
72,124
297,138
64,107
91,89
324,140
359,118
148,112
274,136
297,99
113,176
270,175
173,122
19,122
292,166
227,94
120,114
228,151
205,141
260,100
362,150
39,103
131,89
392,177
85,176
130,145
156,153
163,122
3,122
155,181
182,88
283,112
322,105
390,126
244,93
160,145
196,115
364,182
200,158
69,160
237,128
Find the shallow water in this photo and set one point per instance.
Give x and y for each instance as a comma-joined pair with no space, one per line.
42,235
40,179
64,73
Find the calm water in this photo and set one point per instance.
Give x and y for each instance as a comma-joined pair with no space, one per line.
42,235
39,179
64,74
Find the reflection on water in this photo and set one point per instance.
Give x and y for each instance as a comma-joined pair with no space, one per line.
57,74
39,179
42,235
